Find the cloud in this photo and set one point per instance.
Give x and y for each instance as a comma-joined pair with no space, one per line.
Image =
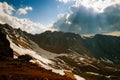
24,10
27,25
64,1
113,17
97,5
85,20
6,9
24,24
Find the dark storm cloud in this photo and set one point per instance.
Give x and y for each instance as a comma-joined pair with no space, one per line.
86,20
113,17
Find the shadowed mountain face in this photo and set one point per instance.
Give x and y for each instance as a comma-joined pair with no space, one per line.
59,42
102,46
5,50
98,46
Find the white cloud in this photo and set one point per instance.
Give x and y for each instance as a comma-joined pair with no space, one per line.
24,10
6,9
24,24
27,25
61,16
90,16
64,1
97,5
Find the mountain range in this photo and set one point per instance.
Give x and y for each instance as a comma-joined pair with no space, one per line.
86,58
98,46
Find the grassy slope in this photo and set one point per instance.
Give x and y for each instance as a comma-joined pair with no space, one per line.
16,70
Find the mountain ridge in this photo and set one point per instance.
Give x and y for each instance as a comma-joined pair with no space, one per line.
98,46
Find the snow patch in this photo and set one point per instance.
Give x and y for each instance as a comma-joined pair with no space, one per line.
78,77
93,73
22,51
44,53
61,72
84,36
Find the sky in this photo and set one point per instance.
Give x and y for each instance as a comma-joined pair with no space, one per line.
44,11
78,16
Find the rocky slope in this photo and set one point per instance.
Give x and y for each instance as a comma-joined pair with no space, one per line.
18,69
98,46
89,68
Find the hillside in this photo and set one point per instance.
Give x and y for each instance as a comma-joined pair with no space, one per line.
12,69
